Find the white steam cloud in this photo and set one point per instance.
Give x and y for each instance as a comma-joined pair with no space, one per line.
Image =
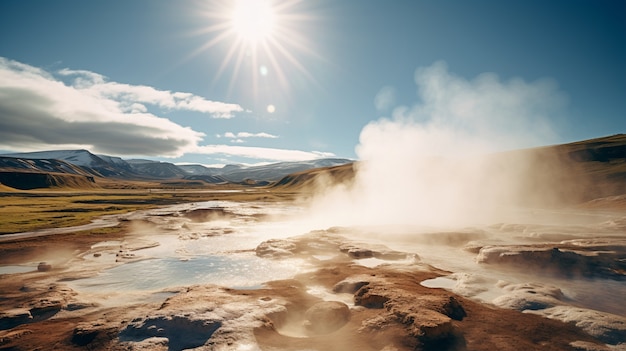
430,164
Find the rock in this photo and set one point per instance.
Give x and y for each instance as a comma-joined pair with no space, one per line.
85,333
351,285
587,346
46,308
356,251
370,298
276,248
429,325
74,306
528,296
150,344
181,331
13,336
44,267
606,327
326,317
454,309
572,260
14,317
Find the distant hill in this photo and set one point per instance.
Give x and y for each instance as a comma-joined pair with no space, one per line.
94,165
578,171
36,180
574,172
84,163
315,178
275,171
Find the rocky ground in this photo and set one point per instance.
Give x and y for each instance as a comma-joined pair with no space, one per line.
339,305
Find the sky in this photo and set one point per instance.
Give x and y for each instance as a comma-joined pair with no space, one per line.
219,82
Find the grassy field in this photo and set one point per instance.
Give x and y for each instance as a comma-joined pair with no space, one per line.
22,211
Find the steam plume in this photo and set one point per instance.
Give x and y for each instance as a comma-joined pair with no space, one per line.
429,164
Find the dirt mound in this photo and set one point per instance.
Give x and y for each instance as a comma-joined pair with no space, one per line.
319,177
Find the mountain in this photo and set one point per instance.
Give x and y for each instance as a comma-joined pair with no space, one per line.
25,174
86,164
267,173
199,170
98,166
156,169
275,171
8,163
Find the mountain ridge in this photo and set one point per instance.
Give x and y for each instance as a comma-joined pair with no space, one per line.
83,162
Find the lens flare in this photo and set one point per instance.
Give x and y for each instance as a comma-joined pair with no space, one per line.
256,37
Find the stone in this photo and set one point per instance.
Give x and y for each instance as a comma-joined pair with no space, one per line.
276,248
14,317
44,267
85,333
370,298
351,285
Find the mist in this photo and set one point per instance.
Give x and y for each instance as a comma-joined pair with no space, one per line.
439,162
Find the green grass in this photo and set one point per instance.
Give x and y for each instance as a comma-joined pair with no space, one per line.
32,210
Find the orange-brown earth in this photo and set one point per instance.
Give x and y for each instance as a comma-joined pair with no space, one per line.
389,309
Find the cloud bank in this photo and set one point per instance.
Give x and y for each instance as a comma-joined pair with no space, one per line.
239,137
38,111
78,109
262,152
429,164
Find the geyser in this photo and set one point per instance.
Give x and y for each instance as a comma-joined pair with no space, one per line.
433,164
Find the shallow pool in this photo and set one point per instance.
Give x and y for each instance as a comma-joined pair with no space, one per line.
17,269
243,271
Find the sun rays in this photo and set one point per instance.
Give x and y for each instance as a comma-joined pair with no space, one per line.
259,40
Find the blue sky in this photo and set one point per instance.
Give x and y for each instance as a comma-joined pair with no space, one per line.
176,81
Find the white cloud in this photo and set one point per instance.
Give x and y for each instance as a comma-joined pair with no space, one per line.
240,135
97,85
38,111
262,153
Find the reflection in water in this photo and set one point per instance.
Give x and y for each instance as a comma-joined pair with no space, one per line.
234,271
439,282
17,269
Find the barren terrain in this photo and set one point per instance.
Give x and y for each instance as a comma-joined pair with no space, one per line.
325,289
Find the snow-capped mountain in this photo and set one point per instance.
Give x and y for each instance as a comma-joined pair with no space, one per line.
101,166
276,171
116,167
82,158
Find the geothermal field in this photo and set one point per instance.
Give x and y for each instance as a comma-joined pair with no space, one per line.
423,258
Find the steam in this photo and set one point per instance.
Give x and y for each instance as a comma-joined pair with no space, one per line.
432,163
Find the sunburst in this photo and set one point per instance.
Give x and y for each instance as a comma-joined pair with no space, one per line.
264,34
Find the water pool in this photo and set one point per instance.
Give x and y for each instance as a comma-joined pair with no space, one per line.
242,271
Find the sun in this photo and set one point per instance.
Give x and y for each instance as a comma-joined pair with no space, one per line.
264,44
253,20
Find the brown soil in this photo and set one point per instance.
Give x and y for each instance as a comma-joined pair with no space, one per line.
394,313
